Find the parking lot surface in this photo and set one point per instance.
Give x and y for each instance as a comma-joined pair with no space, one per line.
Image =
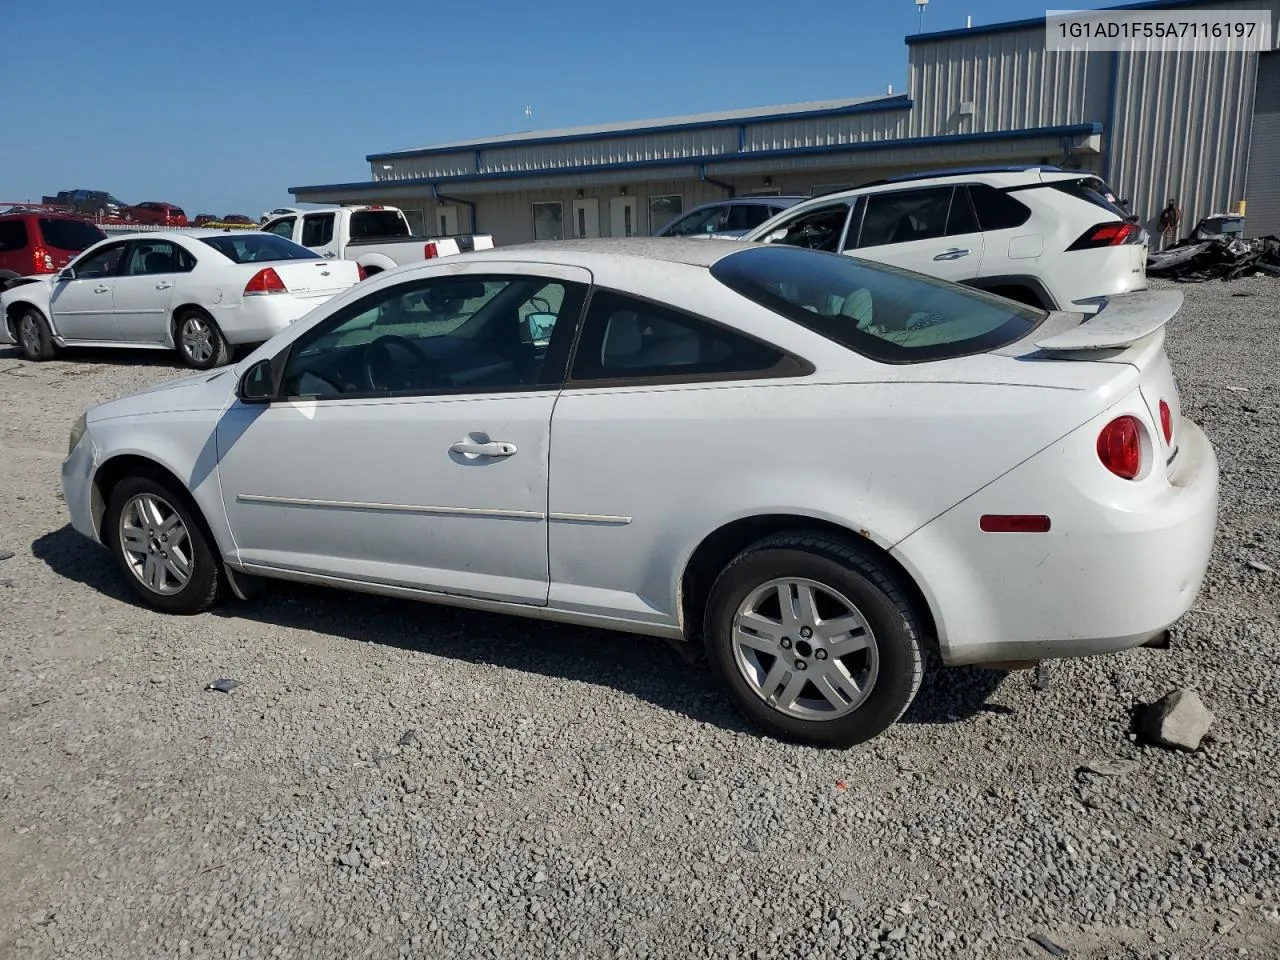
396,779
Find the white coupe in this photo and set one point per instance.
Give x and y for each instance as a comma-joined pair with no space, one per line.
199,292
812,465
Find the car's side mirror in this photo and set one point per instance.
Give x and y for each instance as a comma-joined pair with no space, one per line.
258,385
66,273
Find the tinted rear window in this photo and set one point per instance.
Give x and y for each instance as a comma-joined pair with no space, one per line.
996,209
74,235
13,236
371,224
879,311
1092,190
258,248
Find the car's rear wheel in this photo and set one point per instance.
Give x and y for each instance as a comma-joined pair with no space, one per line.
161,547
815,640
35,339
199,341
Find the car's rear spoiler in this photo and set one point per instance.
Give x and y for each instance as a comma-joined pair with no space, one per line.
1123,319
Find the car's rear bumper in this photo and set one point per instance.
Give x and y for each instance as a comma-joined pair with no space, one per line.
256,319
1122,561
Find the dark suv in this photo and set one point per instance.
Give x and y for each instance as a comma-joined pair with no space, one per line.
93,203
32,242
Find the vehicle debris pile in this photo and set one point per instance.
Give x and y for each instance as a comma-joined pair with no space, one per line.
1208,256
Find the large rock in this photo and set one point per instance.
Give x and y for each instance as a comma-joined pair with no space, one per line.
1179,720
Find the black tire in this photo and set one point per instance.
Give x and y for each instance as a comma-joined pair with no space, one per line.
191,350
34,337
205,582
839,566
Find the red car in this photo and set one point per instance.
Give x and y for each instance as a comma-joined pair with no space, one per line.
155,213
41,242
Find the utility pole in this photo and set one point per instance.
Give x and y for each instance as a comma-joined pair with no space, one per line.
921,5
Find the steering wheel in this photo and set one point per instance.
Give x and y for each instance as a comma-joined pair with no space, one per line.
376,362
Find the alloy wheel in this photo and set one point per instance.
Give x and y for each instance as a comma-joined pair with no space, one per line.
155,543
29,332
197,339
805,649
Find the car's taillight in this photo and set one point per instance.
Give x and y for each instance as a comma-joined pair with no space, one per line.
43,261
1120,447
1166,421
361,271
265,281
1113,234
430,251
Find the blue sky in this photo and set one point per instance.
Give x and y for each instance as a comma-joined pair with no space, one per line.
221,105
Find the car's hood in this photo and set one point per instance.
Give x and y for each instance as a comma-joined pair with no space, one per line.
209,390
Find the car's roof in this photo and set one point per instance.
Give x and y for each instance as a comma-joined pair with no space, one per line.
692,252
773,201
186,234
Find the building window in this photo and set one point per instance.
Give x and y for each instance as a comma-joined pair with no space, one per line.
548,220
662,210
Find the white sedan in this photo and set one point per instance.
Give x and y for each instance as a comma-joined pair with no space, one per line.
812,465
199,292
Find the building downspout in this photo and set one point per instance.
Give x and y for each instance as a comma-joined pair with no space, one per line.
437,196
702,175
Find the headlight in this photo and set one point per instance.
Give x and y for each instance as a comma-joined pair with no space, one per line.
77,431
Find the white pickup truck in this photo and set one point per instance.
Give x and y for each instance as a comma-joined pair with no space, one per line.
376,237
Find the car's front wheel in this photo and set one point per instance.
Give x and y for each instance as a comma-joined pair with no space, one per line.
199,341
161,547
815,640
35,339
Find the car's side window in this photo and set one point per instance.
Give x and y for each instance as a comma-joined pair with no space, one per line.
13,235
996,209
317,229
452,334
819,229
150,257
625,338
101,263
281,228
906,215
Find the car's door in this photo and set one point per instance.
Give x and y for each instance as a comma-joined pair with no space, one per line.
318,233
83,308
931,230
409,444
145,289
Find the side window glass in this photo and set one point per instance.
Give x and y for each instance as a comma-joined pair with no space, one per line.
754,214
904,216
458,334
103,263
961,219
317,229
625,338
152,257
281,228
816,229
996,209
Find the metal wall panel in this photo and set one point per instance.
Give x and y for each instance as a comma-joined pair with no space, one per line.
1181,130
824,131
1262,189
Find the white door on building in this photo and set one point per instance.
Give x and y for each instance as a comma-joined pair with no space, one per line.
622,217
446,222
586,218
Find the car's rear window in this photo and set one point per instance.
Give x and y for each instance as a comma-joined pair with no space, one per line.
258,248
74,235
376,224
879,311
1092,190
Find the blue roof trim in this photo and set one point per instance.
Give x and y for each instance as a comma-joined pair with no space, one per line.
1011,26
860,147
899,102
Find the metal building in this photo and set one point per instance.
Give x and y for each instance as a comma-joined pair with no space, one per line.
1201,127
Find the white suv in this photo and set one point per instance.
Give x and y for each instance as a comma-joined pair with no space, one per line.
1052,238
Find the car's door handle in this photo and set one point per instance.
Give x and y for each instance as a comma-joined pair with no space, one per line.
953,254
101,289
163,285
494,448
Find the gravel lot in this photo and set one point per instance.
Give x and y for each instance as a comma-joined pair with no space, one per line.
394,779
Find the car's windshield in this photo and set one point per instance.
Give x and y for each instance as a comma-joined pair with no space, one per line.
258,248
74,235
375,224
698,221
884,313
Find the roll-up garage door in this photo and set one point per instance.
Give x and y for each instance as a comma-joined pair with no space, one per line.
1262,191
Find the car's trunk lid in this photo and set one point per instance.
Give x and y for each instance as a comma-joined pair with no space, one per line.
315,278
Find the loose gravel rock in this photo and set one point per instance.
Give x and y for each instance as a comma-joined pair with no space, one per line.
547,804
1178,719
